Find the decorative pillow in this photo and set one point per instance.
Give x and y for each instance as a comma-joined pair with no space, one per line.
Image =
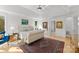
1,36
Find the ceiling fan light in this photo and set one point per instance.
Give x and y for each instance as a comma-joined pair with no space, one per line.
39,7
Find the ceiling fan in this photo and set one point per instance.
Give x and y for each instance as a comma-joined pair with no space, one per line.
39,7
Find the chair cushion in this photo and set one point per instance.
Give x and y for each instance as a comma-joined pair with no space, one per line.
2,32
1,40
4,39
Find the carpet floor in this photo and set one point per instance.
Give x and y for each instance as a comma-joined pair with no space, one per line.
44,45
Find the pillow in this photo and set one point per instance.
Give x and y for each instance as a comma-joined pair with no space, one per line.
1,36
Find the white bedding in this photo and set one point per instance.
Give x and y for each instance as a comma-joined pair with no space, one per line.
24,34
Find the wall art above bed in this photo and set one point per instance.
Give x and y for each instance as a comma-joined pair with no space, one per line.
24,22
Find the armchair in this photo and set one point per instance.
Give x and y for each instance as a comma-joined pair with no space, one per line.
4,39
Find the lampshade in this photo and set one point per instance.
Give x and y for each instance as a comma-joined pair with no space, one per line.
12,28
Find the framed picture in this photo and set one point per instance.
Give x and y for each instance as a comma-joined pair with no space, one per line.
24,21
36,23
2,23
59,24
45,25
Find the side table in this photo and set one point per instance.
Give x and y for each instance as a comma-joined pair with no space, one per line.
13,41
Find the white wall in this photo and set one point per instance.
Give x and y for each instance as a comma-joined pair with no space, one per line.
70,24
67,25
12,20
61,32
40,24
78,26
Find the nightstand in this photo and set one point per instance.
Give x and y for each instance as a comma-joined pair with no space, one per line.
13,41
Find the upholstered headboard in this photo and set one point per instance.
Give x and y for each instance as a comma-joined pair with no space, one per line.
28,28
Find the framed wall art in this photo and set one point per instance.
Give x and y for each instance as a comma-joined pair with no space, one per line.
45,25
59,24
24,21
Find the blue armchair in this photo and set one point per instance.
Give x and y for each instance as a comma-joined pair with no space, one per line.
4,39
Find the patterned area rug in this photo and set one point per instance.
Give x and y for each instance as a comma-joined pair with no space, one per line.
44,45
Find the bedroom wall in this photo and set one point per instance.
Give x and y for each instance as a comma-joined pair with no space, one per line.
13,21
46,30
40,24
60,32
78,26
67,25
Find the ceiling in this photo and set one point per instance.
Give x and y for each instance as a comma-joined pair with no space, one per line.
46,11
54,10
